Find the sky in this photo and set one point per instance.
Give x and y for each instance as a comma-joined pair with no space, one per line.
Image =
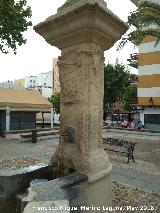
36,55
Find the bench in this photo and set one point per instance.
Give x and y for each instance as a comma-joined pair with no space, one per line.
122,147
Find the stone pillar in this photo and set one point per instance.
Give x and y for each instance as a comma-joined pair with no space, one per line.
83,30
7,119
135,2
52,117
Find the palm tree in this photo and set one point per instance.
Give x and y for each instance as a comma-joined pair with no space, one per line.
146,16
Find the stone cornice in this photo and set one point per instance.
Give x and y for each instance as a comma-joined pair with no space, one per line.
74,7
135,2
71,4
89,23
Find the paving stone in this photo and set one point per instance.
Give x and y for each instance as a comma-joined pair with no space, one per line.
156,179
119,171
138,183
152,188
136,179
120,179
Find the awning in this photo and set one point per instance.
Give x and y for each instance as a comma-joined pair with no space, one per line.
23,100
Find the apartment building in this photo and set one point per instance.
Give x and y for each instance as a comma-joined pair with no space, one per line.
149,80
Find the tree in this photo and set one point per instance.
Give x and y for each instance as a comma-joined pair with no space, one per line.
115,81
130,93
14,21
147,14
55,100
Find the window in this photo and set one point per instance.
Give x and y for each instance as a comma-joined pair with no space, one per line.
152,118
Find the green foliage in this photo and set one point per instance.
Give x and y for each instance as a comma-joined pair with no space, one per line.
55,100
148,13
134,65
14,21
115,81
129,94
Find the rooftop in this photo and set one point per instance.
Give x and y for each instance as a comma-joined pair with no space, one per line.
23,100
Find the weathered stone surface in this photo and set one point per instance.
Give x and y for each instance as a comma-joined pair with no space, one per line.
135,2
73,4
72,188
83,30
81,79
13,182
82,22
55,188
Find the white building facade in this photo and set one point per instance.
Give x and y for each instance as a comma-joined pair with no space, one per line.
42,82
30,82
44,79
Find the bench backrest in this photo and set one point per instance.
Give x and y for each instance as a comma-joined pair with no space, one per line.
117,142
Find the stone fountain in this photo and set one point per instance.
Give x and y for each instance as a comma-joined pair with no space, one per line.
83,30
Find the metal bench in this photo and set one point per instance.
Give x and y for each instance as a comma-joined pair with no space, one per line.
122,147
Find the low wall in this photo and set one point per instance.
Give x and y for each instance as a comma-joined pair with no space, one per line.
68,192
13,182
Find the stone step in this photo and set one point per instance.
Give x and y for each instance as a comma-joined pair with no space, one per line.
39,134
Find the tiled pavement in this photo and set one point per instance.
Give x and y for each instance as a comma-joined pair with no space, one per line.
136,179
139,135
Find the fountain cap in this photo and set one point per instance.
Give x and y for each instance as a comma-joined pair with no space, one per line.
82,21
72,4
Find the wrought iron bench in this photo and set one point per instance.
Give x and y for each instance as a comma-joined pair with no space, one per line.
122,147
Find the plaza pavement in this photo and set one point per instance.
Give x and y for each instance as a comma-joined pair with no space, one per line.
126,176
136,179
134,134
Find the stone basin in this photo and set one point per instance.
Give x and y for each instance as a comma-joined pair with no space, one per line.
14,182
